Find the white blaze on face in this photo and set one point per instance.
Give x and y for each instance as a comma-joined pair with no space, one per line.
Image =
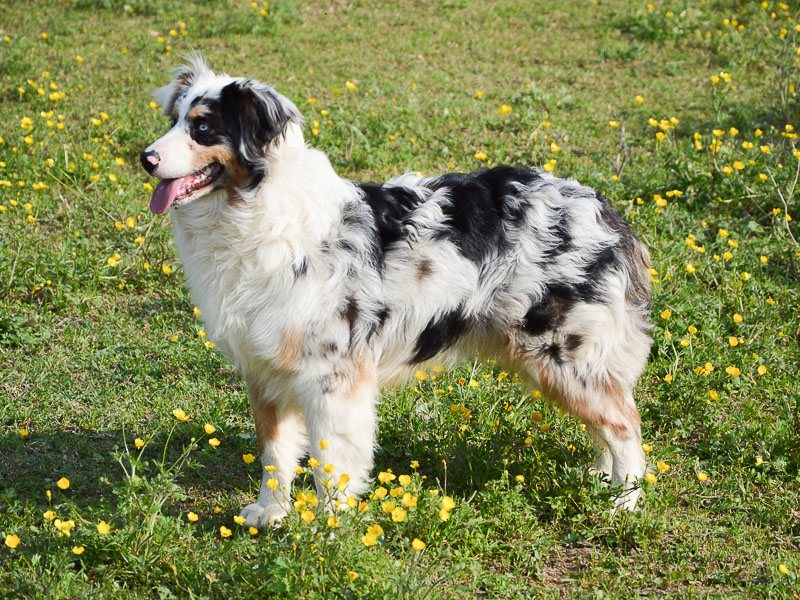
176,157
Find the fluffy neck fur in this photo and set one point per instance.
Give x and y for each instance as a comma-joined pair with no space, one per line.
231,250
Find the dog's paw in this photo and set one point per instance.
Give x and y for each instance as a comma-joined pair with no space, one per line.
259,516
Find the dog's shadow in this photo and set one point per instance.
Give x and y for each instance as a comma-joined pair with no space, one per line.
97,465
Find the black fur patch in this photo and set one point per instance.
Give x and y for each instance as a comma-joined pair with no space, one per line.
440,334
540,318
572,342
553,352
207,129
391,208
251,119
483,205
350,314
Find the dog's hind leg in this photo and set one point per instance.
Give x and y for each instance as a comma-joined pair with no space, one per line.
342,426
280,433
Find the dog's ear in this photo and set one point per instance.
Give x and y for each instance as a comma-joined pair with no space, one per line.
185,76
254,115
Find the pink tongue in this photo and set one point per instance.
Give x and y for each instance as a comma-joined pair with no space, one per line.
164,195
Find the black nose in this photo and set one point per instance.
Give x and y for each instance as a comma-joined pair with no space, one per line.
150,160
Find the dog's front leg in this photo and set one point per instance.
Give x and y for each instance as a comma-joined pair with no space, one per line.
281,441
342,425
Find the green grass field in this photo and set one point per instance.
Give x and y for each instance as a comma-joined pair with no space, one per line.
682,112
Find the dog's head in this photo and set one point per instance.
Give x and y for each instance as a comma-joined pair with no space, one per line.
221,135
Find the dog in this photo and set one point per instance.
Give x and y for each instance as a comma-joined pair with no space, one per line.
323,290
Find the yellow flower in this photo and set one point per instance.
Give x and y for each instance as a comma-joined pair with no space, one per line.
639,99
192,517
781,567
761,369
248,458
12,541
351,575
733,371
398,515
49,515
239,520
381,492
404,480
214,442
651,478
78,550
418,545
369,539
420,376
180,415
647,448
272,483
385,477
666,314
504,108
103,528
350,85
668,378
209,428
323,444
313,462
444,515
662,466
702,476
765,149
224,531
63,483
481,155
166,269
737,318
733,341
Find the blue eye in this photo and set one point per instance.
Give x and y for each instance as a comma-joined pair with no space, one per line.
202,127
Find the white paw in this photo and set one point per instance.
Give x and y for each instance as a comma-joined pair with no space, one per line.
259,516
626,501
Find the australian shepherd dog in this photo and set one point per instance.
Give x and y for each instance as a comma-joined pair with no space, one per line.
323,290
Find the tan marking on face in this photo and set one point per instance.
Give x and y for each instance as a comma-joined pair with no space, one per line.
289,348
197,111
205,155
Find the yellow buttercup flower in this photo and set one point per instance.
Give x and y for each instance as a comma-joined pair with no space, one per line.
418,545
225,532
103,528
63,483
12,541
248,458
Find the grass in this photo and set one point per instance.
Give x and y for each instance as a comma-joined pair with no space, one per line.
99,343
